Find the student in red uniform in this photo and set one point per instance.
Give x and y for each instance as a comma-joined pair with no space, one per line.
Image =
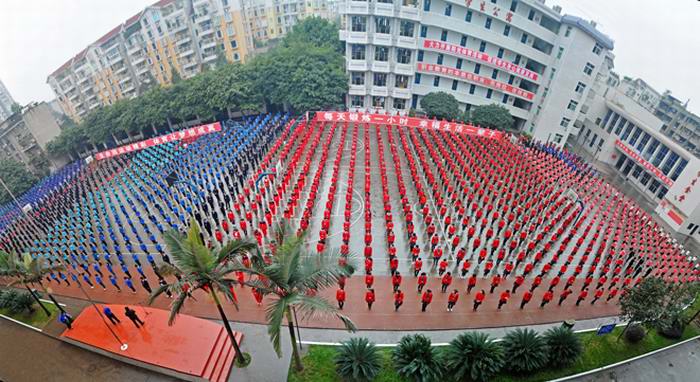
396,281
443,267
527,296
598,294
546,298
417,266
398,299
554,283
446,281
611,294
564,295
478,299
495,282
426,299
452,300
535,283
369,280
394,265
340,297
519,280
471,283
369,298
582,296
257,294
503,299
422,280
465,267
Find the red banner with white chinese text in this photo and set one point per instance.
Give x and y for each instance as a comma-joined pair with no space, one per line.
642,162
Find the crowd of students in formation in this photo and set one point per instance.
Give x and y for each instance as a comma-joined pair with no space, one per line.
527,217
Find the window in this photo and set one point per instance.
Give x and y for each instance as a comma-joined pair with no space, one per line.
358,78
645,179
440,57
662,192
500,53
229,30
560,53
459,63
406,28
472,87
620,125
643,142
357,101
679,169
494,74
650,150
654,186
358,52
669,163
380,79
531,15
488,23
517,59
463,41
636,172
482,46
383,25
401,81
595,136
660,155
403,56
381,53
580,87
493,1
597,49
359,24
627,132
572,105
523,38
468,17
506,30
511,79
564,122
436,81
417,79
477,68
455,83
513,5
423,31
489,92
467,107
443,36
378,102
414,101
557,138
505,98
448,10
568,31
589,68
399,103
635,136
420,56
234,44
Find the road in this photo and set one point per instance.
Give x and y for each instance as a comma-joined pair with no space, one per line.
680,364
26,355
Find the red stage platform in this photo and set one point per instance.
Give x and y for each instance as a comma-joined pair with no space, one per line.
192,346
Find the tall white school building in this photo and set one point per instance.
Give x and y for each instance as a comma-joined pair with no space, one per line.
521,54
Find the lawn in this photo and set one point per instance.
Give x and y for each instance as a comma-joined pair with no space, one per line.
598,351
38,319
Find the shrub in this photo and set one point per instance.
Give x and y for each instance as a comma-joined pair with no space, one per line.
525,351
22,302
7,298
473,356
415,358
634,333
564,346
674,330
358,360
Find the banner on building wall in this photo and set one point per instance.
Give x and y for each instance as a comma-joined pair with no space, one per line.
643,162
461,51
381,119
191,133
471,77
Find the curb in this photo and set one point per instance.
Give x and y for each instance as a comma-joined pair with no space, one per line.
612,365
21,323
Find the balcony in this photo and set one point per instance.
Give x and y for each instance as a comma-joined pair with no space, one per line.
401,93
381,39
120,70
358,7
406,42
209,58
138,59
178,27
379,91
358,65
183,41
141,70
188,64
124,80
405,69
73,97
410,13
186,53
94,105
129,89
206,44
384,9
357,90
115,59
82,80
381,66
357,38
202,18
133,49
206,32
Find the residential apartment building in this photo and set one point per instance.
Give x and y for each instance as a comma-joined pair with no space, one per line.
679,123
626,135
640,92
521,54
24,136
6,102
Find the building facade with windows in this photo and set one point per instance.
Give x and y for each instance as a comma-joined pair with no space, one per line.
539,64
627,136
6,102
679,123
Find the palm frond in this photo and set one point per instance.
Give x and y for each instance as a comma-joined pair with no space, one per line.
157,292
234,248
175,307
274,314
224,286
319,272
314,307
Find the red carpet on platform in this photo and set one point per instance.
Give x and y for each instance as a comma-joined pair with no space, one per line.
192,346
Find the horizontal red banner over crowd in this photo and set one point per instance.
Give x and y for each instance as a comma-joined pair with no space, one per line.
381,119
469,76
192,132
476,55
647,166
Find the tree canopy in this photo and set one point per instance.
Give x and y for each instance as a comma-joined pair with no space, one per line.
492,116
16,177
440,105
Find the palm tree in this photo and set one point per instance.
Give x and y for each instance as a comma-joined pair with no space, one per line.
293,277
200,267
27,271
